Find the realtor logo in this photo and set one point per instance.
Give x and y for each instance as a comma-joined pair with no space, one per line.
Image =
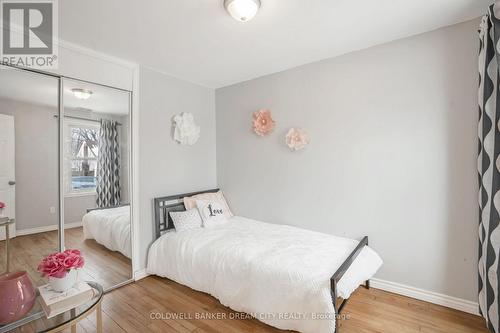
29,33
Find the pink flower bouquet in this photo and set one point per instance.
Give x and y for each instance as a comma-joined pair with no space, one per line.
263,123
57,265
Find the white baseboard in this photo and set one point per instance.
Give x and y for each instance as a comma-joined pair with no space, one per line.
38,230
140,274
428,296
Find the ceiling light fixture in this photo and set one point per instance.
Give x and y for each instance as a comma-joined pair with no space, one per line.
81,93
242,10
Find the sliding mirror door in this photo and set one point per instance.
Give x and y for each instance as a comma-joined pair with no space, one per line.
69,169
96,179
29,169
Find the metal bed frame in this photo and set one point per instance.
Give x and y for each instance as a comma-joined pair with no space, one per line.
174,203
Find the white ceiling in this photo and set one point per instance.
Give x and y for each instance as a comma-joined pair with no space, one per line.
43,90
196,40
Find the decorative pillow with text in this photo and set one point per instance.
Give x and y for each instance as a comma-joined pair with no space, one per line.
190,202
212,212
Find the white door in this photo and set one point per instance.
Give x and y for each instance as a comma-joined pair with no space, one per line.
7,171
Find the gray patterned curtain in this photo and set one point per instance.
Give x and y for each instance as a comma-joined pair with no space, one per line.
108,165
489,170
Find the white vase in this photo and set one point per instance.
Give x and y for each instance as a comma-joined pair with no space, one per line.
65,283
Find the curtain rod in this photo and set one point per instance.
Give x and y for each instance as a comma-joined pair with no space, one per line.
86,119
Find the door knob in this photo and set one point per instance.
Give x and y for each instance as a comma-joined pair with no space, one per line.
11,182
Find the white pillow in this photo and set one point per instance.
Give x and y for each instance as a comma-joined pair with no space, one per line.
186,220
212,212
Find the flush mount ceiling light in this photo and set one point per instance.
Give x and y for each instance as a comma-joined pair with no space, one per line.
242,10
81,93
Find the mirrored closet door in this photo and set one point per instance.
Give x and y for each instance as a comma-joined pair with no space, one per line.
29,168
96,168
65,149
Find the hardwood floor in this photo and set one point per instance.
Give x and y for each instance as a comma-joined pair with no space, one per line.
101,265
26,253
129,309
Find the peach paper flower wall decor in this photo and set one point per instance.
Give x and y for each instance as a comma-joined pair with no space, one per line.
263,123
296,139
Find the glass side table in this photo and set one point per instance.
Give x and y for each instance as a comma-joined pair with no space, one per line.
35,320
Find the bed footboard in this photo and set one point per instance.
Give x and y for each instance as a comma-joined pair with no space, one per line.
334,280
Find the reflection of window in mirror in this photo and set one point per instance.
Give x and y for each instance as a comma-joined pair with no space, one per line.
96,180
82,154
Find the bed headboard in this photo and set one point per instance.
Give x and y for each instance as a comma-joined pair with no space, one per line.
165,205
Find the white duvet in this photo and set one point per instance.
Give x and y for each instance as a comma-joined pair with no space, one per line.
110,228
277,273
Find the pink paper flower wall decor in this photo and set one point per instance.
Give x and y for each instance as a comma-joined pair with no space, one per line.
263,123
296,138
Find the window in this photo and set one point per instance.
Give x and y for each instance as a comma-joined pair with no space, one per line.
82,159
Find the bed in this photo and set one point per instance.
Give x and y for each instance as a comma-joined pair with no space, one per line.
109,227
284,276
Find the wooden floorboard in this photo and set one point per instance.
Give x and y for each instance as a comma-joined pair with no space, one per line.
102,265
129,309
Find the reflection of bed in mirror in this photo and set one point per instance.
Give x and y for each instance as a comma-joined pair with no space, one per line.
109,227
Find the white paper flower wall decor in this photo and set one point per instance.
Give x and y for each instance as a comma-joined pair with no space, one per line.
297,139
186,132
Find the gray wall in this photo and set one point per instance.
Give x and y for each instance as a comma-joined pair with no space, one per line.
392,154
36,149
165,166
75,207
36,166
